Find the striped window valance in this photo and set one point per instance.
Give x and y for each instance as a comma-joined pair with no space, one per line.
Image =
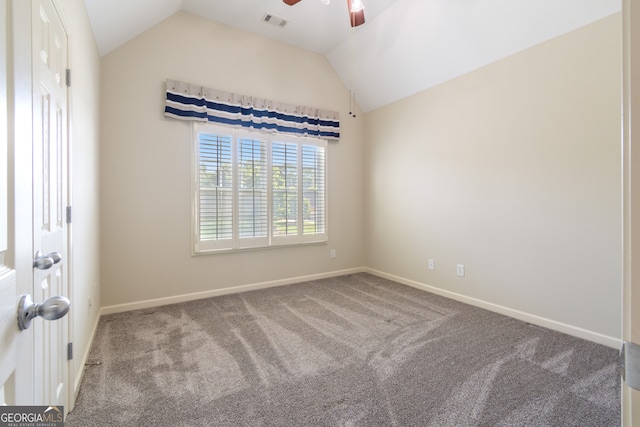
196,103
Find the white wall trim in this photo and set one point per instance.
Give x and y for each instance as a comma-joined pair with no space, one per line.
516,314
224,291
79,369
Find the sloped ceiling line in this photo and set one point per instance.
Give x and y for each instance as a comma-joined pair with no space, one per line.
405,47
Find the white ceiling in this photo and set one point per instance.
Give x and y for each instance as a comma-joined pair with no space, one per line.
404,47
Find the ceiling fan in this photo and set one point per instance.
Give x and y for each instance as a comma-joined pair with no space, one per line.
356,10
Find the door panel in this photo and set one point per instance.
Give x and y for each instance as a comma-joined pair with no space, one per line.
49,198
16,273
33,196
8,291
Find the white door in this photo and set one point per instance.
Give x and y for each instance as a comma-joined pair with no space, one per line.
9,336
33,146
50,198
16,270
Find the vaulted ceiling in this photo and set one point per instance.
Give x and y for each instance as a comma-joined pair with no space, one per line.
404,47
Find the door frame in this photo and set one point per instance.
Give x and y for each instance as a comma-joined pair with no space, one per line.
631,194
71,395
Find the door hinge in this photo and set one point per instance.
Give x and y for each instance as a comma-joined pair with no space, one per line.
68,214
68,77
630,364
70,351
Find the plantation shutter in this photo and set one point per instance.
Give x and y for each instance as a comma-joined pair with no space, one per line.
253,210
252,190
284,173
215,188
313,191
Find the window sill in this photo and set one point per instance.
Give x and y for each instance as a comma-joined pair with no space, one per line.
196,253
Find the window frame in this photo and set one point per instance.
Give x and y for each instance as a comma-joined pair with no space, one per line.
236,243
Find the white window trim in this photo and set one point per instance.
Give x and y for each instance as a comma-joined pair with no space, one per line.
270,241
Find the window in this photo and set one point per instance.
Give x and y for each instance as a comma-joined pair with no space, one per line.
255,190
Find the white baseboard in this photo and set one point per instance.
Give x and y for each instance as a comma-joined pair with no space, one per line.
79,373
224,291
526,317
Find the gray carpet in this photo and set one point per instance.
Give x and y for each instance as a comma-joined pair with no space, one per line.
355,350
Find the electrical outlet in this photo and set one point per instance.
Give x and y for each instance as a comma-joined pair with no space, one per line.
333,254
432,264
460,270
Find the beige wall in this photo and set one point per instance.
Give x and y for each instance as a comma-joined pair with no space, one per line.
85,138
514,171
145,161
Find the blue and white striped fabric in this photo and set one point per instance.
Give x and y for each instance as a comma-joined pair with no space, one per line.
196,103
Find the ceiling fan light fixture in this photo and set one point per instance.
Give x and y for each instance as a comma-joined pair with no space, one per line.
355,6
356,10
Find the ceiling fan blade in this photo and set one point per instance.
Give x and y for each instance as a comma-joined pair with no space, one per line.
291,2
356,18
356,12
